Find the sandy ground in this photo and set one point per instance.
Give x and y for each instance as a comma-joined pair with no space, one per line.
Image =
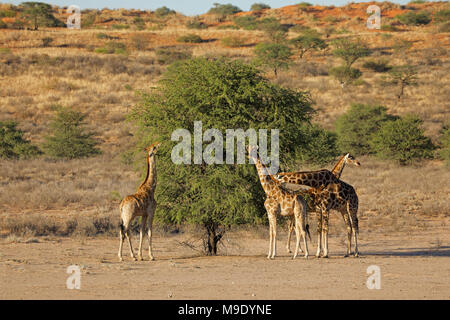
413,265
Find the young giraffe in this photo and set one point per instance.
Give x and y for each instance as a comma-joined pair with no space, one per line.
141,204
337,172
328,193
282,202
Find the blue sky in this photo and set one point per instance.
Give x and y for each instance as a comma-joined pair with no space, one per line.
188,7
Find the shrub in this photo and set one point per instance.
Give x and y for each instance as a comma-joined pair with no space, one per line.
273,55
68,138
413,19
402,76
274,29
350,50
139,42
355,127
442,15
12,143
259,6
307,42
47,41
120,26
380,65
224,9
345,75
7,14
233,42
102,35
139,23
195,24
389,27
402,140
112,47
168,55
163,11
445,143
246,22
190,38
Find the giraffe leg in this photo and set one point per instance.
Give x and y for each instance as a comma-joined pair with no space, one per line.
352,212
150,229
319,234
348,226
270,238
300,226
121,235
325,234
274,232
290,229
141,233
127,234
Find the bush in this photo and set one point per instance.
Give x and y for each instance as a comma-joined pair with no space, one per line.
190,38
402,140
445,143
168,55
113,47
47,41
68,138
12,143
388,27
246,22
163,11
259,6
350,50
102,35
224,9
414,19
274,29
355,127
139,23
345,75
139,42
273,55
233,42
120,26
196,25
380,65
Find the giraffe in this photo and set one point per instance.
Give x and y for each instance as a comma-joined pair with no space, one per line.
141,204
283,202
337,172
328,192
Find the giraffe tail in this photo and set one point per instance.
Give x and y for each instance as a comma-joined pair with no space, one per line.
307,232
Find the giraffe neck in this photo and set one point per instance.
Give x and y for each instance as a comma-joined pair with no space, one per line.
267,181
339,167
150,179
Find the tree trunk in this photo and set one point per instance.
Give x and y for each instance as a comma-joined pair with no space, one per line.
212,238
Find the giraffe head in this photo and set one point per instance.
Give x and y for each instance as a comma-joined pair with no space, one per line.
349,159
151,150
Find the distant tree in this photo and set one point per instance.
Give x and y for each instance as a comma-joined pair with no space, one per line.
259,6
308,42
274,29
224,10
414,19
68,138
350,50
12,143
402,76
163,11
39,14
345,75
273,55
402,140
356,127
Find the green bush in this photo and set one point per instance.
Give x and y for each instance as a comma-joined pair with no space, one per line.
232,42
12,143
402,140
7,14
196,25
350,50
273,55
274,29
345,75
355,127
388,27
68,138
47,41
139,23
381,65
190,38
445,143
120,26
414,19
224,9
259,6
246,22
113,47
169,55
163,11
102,35
442,15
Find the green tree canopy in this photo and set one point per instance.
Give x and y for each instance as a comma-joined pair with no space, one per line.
350,50
273,55
12,143
39,14
402,140
68,138
222,94
307,42
356,127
